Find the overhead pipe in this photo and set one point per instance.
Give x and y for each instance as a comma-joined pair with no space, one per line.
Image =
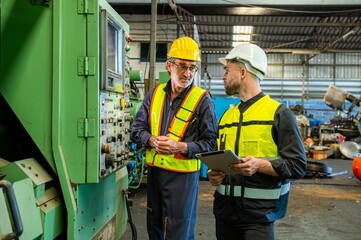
342,37
153,44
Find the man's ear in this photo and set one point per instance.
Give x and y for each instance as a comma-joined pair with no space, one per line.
168,66
243,72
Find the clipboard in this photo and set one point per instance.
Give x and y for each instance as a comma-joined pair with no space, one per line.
219,160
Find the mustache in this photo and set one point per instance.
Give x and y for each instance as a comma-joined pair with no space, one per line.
185,78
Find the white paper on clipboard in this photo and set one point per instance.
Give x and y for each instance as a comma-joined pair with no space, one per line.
219,160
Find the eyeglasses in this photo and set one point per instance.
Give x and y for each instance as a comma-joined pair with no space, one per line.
183,67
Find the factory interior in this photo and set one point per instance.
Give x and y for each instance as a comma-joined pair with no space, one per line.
73,75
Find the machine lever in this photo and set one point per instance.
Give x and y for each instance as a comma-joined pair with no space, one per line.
14,210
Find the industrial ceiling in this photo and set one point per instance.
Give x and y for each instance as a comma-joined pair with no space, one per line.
310,27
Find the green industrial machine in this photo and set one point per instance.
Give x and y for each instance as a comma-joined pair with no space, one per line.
64,120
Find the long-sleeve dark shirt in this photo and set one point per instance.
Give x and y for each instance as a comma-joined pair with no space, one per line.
201,133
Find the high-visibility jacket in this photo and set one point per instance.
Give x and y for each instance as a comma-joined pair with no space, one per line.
260,196
178,127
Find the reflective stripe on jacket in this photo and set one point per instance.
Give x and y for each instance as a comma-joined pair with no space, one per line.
178,126
255,193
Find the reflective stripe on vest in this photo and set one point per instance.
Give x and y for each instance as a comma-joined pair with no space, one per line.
255,193
178,127
156,110
182,118
175,163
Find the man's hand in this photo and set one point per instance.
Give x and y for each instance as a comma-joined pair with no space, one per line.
153,142
166,145
250,165
215,177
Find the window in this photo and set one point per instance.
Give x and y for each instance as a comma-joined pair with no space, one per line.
161,52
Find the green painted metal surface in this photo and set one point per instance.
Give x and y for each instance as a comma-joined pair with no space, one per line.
52,214
107,195
92,95
29,211
26,73
69,89
122,215
46,203
163,77
28,168
50,78
135,107
5,223
135,76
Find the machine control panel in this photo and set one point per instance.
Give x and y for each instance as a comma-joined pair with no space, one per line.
115,130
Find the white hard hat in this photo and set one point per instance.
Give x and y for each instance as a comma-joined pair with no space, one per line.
250,53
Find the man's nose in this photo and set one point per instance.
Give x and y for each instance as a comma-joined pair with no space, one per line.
188,72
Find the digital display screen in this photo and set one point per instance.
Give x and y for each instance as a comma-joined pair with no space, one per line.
112,54
112,48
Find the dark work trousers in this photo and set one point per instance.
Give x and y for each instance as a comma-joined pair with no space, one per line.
172,200
258,231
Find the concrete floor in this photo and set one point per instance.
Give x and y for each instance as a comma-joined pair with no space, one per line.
319,208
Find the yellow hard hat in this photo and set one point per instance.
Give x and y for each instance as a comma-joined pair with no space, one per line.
185,48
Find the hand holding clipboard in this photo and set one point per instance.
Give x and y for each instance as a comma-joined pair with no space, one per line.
219,160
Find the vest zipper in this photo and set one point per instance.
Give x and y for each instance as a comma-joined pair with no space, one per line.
236,149
222,141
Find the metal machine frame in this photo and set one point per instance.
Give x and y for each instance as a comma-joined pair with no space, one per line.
54,79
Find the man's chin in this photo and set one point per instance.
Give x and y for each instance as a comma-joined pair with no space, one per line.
184,84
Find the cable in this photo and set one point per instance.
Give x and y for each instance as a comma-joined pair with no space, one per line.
139,154
130,221
134,88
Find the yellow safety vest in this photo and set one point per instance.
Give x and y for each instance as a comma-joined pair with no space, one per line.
255,136
252,136
175,162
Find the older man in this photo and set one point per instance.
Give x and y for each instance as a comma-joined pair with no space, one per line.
176,120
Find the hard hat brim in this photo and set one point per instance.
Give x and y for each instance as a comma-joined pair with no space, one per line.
223,61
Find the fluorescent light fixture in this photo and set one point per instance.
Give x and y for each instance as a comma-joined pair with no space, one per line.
241,34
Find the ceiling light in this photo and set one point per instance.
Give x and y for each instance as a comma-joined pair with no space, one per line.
241,34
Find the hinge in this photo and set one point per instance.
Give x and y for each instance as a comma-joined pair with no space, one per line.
86,6
86,66
86,127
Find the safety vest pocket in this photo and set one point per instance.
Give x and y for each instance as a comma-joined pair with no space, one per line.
249,148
